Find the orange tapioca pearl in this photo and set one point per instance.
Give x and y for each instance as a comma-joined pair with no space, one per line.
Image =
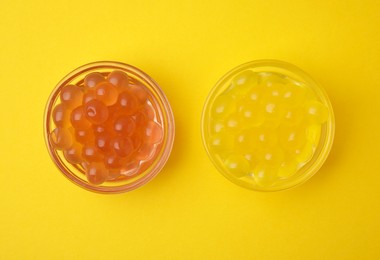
119,79
153,133
145,152
96,173
78,118
61,115
74,154
88,96
130,168
96,112
84,135
112,161
61,138
103,142
93,79
139,91
128,103
71,95
149,111
125,125
122,146
107,93
91,153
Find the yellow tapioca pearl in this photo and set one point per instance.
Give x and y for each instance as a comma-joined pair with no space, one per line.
216,126
262,137
316,112
242,84
222,107
292,116
237,165
233,123
265,175
288,168
295,95
292,138
250,114
270,156
268,79
222,143
313,133
304,154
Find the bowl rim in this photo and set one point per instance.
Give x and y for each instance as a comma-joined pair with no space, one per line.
322,94
166,110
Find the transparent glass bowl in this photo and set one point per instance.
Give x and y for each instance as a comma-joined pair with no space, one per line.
75,173
284,71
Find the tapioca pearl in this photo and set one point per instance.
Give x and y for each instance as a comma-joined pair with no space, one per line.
61,115
112,161
222,107
153,133
287,169
140,119
71,95
122,146
128,103
273,113
217,126
271,156
93,79
292,137
316,112
233,123
125,125
263,137
88,96
96,111
145,152
139,91
305,153
118,79
274,92
107,93
294,95
91,153
96,173
61,138
244,141
103,142
130,169
251,114
149,110
313,133
237,165
265,175
222,143
270,79
242,84
84,135
78,118
74,154
293,116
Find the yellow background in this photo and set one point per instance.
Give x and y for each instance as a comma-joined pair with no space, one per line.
190,211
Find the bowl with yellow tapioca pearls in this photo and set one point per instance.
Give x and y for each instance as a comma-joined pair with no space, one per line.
267,125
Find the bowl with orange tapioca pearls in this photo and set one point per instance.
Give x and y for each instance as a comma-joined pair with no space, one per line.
267,126
109,127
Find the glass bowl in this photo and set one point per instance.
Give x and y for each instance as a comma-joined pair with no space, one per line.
267,125
139,166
